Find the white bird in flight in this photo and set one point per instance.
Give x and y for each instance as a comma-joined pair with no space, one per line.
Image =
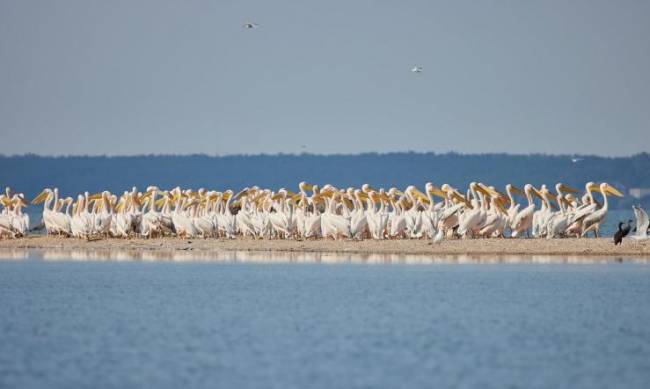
250,25
417,69
576,160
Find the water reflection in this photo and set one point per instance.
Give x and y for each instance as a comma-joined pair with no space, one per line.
13,254
293,257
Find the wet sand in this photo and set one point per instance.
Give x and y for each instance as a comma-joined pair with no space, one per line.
478,247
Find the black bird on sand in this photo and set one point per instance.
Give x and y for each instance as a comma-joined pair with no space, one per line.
622,232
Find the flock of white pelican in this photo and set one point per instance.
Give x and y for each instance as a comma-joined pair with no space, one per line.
318,212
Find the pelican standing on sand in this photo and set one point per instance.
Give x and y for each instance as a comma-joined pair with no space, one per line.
596,218
330,212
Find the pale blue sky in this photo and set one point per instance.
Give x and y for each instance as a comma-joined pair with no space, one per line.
128,77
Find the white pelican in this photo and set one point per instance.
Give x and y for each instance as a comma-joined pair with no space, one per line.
524,219
151,225
183,223
313,220
358,217
377,217
80,224
123,218
449,218
558,223
595,219
282,220
103,217
543,215
430,214
469,222
328,213
332,224
55,221
589,205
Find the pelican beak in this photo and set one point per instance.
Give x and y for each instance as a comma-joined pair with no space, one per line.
146,194
439,193
500,205
483,190
538,194
595,187
517,191
567,189
462,199
613,191
329,193
434,190
422,197
491,191
308,186
96,196
40,198
296,197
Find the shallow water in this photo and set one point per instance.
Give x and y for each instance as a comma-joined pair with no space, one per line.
415,322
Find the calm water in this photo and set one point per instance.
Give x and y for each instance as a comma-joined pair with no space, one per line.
122,324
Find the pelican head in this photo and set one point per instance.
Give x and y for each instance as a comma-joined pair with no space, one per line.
561,188
42,196
607,188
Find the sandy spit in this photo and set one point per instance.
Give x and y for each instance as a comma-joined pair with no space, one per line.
478,247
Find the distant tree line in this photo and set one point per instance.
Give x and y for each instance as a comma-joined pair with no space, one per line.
74,174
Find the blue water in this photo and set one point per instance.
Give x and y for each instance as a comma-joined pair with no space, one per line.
200,324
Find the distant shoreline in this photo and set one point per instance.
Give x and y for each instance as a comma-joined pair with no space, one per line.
477,247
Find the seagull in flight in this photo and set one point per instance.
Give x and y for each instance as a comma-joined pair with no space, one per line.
417,69
250,25
576,160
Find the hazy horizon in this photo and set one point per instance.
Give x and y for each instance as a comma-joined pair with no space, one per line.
163,77
303,153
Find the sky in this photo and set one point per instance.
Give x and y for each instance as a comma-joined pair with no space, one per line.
179,77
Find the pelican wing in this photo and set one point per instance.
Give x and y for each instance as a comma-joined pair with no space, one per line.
642,221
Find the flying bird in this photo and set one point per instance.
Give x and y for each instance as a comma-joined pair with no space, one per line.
417,69
250,25
576,160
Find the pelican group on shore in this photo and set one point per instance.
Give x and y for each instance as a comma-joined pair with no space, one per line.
13,222
315,212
